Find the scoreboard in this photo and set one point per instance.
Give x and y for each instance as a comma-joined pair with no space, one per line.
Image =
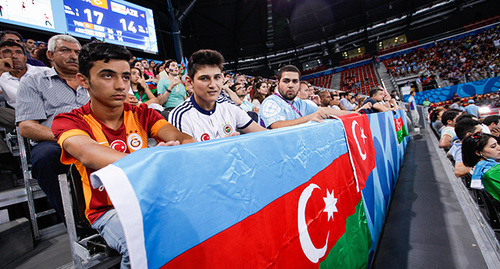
113,21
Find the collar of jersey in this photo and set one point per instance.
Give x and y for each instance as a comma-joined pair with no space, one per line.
201,110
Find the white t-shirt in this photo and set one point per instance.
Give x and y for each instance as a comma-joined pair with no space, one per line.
204,125
9,85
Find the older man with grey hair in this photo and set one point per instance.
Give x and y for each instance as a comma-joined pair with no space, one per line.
41,97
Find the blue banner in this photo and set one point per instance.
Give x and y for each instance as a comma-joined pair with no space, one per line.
463,90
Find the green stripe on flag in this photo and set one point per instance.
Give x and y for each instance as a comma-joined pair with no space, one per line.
491,181
352,249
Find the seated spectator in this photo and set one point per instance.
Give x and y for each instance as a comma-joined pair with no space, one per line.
241,92
41,55
86,134
8,35
375,99
312,96
457,104
305,93
472,108
465,126
284,109
345,101
436,117
147,72
138,64
448,131
326,100
30,45
139,88
390,102
41,97
13,67
171,91
482,152
490,125
207,114
260,93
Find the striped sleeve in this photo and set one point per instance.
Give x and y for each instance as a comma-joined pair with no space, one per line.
176,115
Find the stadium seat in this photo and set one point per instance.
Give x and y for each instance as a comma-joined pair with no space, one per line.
33,191
89,250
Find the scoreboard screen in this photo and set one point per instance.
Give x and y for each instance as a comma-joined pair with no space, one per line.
113,21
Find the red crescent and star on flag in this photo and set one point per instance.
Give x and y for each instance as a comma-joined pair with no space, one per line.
362,154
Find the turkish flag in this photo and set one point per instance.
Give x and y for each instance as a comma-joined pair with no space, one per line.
360,146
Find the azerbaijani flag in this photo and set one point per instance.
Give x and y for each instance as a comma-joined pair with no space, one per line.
279,198
183,70
401,131
491,181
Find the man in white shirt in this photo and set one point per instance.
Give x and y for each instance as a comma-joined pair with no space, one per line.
13,67
283,109
345,101
207,114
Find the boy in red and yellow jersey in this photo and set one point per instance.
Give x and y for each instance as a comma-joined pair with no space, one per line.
105,130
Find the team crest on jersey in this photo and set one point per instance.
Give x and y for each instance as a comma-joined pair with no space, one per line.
119,145
205,137
227,129
134,141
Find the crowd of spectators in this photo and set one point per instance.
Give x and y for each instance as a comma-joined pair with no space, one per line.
472,146
453,61
86,101
186,96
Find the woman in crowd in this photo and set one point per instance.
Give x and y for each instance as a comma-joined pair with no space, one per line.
482,150
139,87
137,64
158,69
261,91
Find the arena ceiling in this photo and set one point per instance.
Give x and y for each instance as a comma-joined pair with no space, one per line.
259,35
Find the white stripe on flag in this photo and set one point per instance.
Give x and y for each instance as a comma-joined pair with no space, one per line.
123,197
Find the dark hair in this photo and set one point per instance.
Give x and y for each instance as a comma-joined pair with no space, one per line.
464,116
374,91
134,62
464,126
322,94
471,145
203,58
156,69
12,44
41,55
140,72
93,52
257,95
449,114
491,119
288,68
167,64
5,32
140,89
456,99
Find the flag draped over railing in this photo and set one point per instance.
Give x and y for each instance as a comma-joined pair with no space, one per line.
293,197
